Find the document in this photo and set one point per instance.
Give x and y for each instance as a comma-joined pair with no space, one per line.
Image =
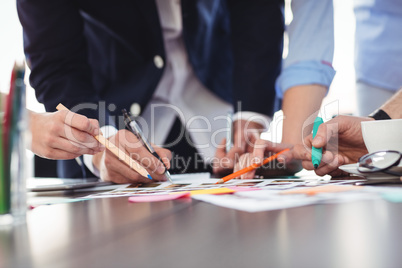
266,200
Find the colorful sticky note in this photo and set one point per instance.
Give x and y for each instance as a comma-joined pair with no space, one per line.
212,191
322,189
157,198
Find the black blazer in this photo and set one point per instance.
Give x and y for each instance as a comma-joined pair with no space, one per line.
91,50
102,50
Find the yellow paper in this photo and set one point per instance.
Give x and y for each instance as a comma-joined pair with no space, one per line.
210,191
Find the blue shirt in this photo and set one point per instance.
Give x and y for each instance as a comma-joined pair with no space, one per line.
311,46
378,55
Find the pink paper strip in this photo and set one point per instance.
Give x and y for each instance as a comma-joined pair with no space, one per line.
243,189
157,198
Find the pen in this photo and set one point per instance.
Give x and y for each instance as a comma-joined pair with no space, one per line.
250,168
116,151
229,133
136,130
316,153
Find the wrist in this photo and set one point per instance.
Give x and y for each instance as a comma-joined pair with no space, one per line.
379,114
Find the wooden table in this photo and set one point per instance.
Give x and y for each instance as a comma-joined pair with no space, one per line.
185,233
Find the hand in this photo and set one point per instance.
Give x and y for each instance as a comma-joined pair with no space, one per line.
285,164
63,135
245,134
112,169
342,142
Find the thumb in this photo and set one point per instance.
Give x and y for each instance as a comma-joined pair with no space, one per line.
321,138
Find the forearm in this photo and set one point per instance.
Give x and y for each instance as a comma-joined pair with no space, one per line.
393,107
299,103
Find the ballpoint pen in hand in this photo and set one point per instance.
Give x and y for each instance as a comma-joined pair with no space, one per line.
136,130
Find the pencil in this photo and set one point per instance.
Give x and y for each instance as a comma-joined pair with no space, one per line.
250,168
115,150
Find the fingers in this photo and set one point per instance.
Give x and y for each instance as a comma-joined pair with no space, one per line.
264,148
82,138
329,164
49,141
77,128
286,157
325,132
112,169
331,168
95,127
224,161
80,122
301,152
72,147
165,155
245,136
244,161
58,154
260,147
129,143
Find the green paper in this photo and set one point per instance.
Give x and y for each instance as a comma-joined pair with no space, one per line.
395,197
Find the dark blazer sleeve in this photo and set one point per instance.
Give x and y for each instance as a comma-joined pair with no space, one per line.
56,53
257,28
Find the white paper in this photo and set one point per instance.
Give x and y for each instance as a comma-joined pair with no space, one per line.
266,200
200,181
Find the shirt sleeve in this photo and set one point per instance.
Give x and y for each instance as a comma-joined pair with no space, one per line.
311,46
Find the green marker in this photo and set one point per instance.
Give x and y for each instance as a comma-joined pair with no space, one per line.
316,153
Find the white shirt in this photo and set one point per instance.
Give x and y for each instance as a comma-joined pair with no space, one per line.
180,93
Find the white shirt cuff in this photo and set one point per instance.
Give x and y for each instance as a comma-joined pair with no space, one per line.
107,131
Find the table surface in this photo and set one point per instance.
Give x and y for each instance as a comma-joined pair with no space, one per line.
187,233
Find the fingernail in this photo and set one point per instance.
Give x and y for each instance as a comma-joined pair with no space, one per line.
160,169
281,159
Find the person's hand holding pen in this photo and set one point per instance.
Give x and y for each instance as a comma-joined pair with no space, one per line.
112,169
284,165
342,143
245,134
